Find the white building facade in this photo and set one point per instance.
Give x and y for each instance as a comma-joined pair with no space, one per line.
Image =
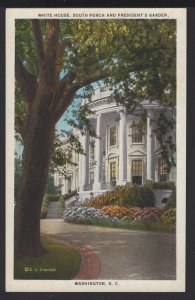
123,154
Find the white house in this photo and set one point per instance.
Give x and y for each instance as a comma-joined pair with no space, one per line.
123,153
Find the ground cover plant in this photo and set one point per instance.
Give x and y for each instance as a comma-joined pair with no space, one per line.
60,262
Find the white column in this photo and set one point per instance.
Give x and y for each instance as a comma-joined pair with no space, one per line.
150,147
97,179
122,149
83,162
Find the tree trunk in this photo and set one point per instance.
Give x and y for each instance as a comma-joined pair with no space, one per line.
38,140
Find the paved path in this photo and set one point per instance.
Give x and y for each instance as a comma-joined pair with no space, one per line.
123,254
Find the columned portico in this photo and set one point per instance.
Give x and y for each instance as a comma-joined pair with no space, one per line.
122,149
121,153
98,157
150,146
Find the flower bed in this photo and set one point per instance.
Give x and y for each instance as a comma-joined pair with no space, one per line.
169,217
151,214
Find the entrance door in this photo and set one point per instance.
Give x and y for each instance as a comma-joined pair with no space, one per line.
137,171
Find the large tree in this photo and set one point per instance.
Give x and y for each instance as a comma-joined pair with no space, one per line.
56,58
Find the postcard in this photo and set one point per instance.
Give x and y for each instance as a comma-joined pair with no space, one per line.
95,149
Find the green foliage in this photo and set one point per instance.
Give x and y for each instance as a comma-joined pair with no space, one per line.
50,187
69,195
164,133
53,197
44,207
63,260
169,185
138,197
61,205
136,56
134,196
169,217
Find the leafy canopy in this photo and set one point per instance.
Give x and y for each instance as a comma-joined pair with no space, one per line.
136,56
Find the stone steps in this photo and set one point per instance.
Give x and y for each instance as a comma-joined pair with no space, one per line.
53,211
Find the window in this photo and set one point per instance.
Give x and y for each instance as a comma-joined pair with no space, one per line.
113,136
137,171
136,134
113,171
91,177
163,170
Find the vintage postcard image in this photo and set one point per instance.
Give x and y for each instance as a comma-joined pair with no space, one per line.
95,150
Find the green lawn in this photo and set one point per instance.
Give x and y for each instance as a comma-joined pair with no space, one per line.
60,262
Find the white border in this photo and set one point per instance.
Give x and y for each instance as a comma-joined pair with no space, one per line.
177,285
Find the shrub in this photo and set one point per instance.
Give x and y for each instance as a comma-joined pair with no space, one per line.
61,205
169,217
135,196
170,185
69,195
138,197
53,197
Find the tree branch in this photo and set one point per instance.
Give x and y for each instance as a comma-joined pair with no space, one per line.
65,101
26,80
36,27
65,82
59,55
93,78
51,45
69,94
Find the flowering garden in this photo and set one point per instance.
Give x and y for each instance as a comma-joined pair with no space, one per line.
135,205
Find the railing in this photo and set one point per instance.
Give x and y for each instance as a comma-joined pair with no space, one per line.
104,186
88,187
108,185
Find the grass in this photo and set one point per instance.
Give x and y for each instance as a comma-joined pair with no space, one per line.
60,262
160,227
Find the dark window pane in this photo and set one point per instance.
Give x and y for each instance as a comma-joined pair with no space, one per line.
113,171
163,170
113,136
91,177
137,171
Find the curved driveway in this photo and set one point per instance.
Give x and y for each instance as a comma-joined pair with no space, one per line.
123,254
